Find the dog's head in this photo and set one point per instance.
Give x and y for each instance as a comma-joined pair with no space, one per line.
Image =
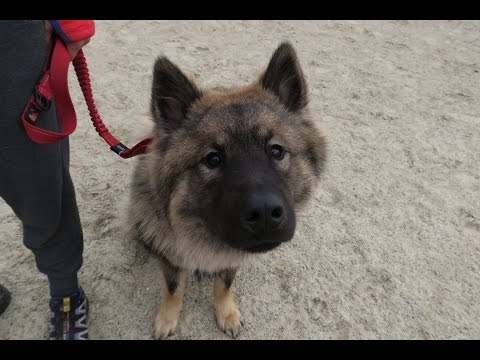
237,162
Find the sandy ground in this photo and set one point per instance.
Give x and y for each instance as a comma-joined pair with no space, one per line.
389,246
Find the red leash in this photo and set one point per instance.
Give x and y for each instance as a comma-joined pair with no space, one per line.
54,84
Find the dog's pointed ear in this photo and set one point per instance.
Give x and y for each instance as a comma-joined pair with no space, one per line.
284,77
172,94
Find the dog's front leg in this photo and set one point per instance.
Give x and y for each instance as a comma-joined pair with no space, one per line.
229,319
169,312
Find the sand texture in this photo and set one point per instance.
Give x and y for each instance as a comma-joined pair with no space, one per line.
389,246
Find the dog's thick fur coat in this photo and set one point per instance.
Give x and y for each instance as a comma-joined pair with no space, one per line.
185,201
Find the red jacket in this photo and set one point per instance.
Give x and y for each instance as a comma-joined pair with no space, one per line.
73,30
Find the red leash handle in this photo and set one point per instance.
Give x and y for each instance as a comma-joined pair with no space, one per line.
57,79
54,83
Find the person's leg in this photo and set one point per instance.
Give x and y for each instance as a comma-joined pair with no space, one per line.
34,178
57,240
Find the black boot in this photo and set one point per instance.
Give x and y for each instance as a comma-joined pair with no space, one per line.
4,298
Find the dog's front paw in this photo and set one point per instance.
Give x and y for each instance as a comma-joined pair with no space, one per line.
229,319
164,327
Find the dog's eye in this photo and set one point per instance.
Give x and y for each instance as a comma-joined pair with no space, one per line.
277,152
213,160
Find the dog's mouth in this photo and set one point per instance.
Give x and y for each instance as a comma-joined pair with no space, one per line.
262,247
257,244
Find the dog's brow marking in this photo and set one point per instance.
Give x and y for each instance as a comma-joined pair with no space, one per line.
217,146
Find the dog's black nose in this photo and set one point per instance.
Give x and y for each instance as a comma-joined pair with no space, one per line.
263,213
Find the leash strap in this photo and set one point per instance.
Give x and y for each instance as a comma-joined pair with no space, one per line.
54,85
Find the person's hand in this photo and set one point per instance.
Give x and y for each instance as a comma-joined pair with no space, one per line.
72,47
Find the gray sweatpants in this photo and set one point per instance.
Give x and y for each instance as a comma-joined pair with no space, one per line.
34,178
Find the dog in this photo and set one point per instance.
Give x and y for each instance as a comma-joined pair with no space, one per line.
224,177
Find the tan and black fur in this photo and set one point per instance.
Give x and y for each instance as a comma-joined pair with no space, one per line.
224,177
